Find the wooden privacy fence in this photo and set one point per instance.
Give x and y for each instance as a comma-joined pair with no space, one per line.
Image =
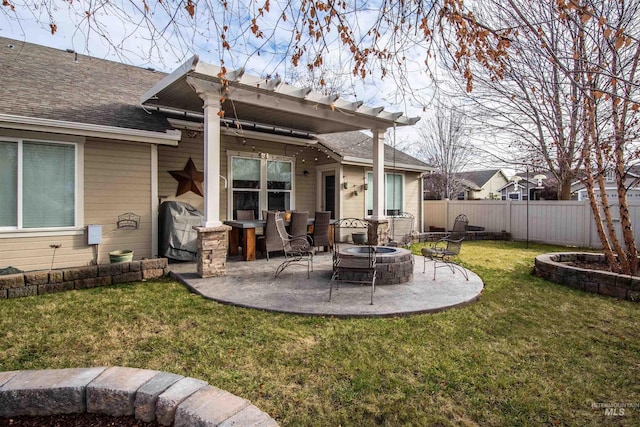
568,223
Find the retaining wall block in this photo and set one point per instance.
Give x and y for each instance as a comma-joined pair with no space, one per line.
633,295
36,277
210,405
135,266
147,395
51,288
250,416
6,376
114,391
56,276
79,273
153,274
623,281
48,392
112,269
635,284
169,400
9,281
591,287
612,291
133,276
25,291
93,282
153,264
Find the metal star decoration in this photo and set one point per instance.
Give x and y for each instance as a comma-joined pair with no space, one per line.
189,179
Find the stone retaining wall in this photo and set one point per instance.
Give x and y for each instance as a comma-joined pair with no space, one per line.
49,281
554,268
147,395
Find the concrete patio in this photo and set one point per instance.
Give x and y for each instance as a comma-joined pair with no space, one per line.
253,285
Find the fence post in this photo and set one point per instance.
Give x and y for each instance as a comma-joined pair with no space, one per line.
446,214
589,219
507,220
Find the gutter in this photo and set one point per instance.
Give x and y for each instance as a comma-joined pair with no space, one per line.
170,137
358,161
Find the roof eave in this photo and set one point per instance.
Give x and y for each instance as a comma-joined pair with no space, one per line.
170,137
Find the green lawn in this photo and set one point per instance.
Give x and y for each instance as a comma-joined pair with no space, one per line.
529,352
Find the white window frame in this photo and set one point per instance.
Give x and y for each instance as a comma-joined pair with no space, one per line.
76,228
263,191
384,192
610,175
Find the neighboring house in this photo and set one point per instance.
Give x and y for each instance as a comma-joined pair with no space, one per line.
632,182
482,184
84,141
519,190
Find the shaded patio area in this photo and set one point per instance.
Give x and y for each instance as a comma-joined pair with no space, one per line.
252,285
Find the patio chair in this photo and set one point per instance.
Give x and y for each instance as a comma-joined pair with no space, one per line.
353,264
401,229
296,249
270,241
321,229
298,225
446,250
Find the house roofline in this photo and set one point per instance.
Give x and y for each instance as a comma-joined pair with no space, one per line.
358,161
170,137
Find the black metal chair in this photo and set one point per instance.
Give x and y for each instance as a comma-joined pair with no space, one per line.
447,249
401,229
296,248
353,263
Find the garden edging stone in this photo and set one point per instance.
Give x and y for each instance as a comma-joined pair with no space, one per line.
148,395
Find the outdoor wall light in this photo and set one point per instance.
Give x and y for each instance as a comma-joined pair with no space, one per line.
305,173
345,184
355,190
365,185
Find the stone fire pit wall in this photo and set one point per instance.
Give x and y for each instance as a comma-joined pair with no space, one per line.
555,268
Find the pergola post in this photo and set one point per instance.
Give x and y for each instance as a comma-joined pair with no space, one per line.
213,235
211,161
380,230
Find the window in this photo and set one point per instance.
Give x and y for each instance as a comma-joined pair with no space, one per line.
279,185
610,175
39,185
393,193
261,183
245,183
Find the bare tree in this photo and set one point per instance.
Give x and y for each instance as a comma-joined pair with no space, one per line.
590,51
444,144
532,112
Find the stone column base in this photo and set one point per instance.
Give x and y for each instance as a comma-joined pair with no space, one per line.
379,232
212,250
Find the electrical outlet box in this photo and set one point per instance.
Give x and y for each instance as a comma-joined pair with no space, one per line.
94,234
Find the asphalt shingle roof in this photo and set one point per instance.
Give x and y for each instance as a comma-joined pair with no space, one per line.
42,82
360,145
479,178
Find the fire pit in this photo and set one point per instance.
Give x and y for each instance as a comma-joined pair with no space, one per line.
393,265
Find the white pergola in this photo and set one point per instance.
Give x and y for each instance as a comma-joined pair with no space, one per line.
196,86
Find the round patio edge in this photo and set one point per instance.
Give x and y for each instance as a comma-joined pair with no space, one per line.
253,285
